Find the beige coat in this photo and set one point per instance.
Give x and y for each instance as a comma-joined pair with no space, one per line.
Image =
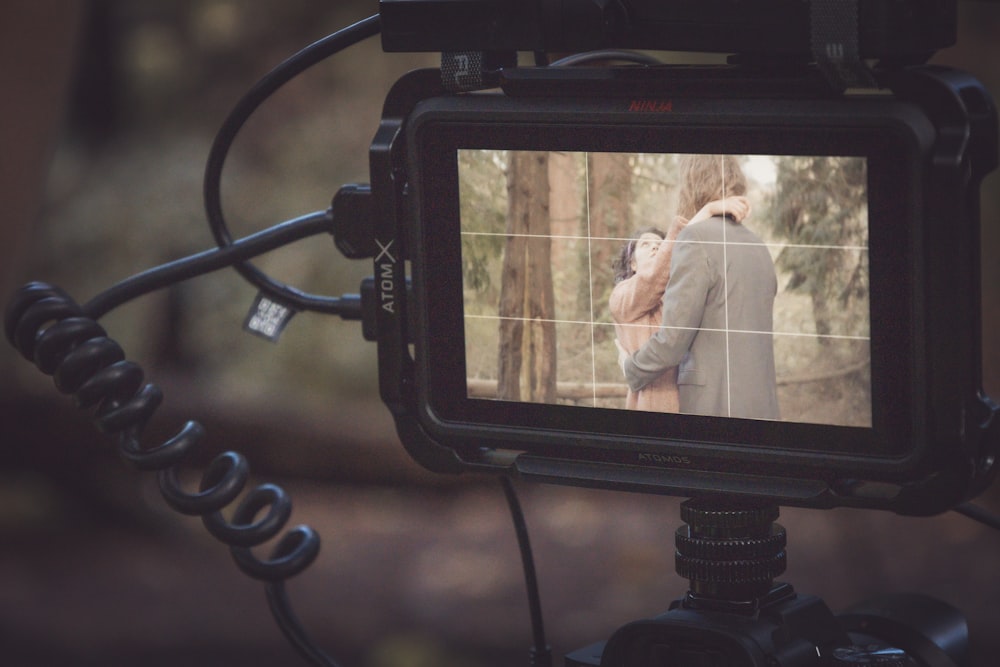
637,308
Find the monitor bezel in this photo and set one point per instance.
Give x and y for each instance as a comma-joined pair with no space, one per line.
893,158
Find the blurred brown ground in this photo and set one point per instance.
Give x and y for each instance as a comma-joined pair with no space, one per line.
415,570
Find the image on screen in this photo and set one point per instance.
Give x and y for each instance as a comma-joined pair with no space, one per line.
737,285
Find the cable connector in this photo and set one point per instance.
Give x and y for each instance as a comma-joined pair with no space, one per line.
353,233
354,221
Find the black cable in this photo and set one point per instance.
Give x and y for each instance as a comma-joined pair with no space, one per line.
64,340
211,260
264,89
281,609
541,653
50,329
977,513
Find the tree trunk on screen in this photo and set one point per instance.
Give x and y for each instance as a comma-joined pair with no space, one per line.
610,186
527,348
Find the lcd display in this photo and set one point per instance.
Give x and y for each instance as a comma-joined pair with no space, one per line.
725,285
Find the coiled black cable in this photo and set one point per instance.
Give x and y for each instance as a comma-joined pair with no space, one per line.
51,330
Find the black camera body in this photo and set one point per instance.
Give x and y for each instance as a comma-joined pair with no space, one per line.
800,630
917,147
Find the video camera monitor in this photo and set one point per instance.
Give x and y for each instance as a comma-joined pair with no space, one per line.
797,351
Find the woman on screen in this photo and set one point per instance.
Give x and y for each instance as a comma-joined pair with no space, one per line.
642,271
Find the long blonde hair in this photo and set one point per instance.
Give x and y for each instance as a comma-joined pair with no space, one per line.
705,178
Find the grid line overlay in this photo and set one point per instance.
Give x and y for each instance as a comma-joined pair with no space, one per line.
798,334
773,247
580,237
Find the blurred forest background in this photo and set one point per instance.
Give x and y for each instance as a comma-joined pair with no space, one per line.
109,111
811,212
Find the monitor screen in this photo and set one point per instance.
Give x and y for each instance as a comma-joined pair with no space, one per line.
726,285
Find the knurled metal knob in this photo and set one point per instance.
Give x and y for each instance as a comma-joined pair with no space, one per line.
729,549
739,518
